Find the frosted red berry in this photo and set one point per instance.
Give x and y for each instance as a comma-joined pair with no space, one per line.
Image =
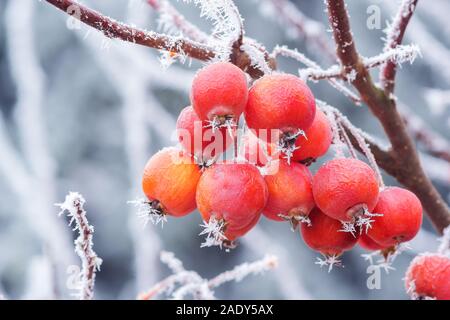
343,188
317,139
170,182
324,234
280,101
258,151
428,276
234,193
219,91
200,140
367,243
290,192
400,217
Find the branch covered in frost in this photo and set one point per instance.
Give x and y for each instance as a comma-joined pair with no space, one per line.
227,21
115,29
171,21
405,164
398,55
90,262
240,272
297,24
190,283
315,72
394,36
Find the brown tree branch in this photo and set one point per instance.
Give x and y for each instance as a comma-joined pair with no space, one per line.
405,165
114,29
394,38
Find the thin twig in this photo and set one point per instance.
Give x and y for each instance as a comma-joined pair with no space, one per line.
191,283
171,19
394,37
90,262
316,70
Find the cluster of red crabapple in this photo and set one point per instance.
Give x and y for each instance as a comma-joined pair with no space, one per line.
338,207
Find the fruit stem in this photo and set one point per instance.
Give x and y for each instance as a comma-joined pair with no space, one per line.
286,144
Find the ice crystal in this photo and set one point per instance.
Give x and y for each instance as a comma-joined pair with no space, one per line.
148,211
214,231
330,261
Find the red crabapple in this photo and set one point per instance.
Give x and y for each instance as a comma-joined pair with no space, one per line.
284,102
198,140
290,193
258,151
400,217
345,189
367,243
317,140
219,94
325,236
234,194
428,276
170,182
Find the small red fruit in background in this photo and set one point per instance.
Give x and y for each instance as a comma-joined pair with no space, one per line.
234,193
324,235
290,192
400,217
170,182
280,101
345,188
367,243
219,93
258,151
428,276
317,141
198,139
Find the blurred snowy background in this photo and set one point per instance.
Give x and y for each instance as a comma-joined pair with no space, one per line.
82,113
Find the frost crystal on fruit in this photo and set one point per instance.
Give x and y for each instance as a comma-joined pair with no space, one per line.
287,146
384,259
329,261
363,222
214,231
148,211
